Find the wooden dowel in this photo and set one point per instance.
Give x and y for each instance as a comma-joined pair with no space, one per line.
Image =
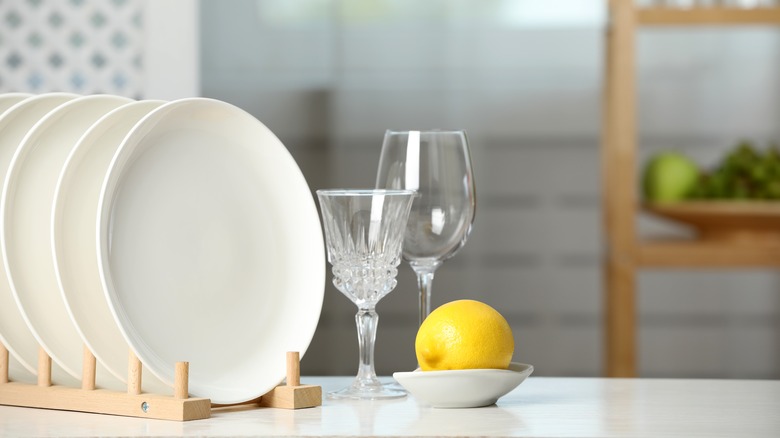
293,368
88,370
44,368
3,364
181,378
133,374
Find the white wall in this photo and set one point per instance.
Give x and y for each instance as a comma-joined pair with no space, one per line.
171,49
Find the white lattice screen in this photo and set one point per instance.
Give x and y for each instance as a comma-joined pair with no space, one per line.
72,45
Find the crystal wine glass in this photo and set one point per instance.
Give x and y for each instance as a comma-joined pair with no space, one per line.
437,164
364,231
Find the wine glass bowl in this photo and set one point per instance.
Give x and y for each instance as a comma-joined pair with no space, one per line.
437,165
364,232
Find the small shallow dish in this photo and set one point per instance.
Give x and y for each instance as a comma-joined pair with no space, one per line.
463,388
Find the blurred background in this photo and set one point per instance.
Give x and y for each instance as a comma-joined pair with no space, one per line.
524,78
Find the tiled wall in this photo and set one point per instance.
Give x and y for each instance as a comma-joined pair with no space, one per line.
81,46
330,76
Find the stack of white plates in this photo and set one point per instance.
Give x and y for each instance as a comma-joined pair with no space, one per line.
182,230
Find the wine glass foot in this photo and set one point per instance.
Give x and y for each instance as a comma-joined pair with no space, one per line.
394,385
369,392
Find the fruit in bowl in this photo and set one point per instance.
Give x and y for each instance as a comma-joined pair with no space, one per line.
669,176
743,173
465,351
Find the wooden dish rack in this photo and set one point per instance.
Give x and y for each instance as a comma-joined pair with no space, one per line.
135,403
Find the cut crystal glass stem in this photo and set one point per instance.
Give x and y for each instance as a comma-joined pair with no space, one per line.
366,321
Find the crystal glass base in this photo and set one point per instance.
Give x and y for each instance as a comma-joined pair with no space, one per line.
356,391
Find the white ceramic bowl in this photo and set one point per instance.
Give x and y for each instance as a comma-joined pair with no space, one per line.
463,388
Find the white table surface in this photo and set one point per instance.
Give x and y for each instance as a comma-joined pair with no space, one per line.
540,407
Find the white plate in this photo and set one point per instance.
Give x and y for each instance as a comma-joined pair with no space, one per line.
14,333
16,370
7,100
211,249
463,388
26,211
74,227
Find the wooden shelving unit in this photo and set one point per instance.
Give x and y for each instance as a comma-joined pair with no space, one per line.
626,251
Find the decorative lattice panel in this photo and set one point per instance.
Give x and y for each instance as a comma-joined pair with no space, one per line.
82,46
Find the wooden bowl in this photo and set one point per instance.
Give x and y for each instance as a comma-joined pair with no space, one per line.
736,221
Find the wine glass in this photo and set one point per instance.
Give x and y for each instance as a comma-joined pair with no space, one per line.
437,164
364,231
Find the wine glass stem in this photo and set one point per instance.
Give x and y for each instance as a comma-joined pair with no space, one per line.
425,284
366,320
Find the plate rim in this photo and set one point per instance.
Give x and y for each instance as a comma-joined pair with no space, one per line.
9,100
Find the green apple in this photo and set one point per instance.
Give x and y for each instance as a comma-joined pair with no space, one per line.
669,176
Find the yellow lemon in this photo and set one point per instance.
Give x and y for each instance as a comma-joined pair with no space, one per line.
464,334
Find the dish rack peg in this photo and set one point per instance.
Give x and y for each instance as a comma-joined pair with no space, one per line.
3,364
181,376
134,376
88,371
44,368
293,395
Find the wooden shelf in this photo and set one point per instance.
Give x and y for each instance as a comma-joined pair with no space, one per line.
706,254
727,238
707,16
